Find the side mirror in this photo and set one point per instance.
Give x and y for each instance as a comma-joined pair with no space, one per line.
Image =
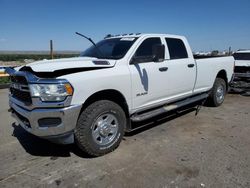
134,60
158,53
141,59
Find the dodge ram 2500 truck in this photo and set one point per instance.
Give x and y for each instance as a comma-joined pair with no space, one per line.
241,81
93,99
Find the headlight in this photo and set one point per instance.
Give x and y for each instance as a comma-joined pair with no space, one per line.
51,92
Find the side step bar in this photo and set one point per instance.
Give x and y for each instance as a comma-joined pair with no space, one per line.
167,108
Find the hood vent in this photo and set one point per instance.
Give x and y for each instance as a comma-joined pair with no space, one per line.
101,62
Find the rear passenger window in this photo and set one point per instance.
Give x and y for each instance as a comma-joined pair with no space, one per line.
177,49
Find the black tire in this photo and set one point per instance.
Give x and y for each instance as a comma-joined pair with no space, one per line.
216,98
88,121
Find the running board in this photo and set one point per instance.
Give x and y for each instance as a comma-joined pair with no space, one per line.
167,108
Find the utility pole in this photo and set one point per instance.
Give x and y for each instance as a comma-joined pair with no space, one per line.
51,49
229,51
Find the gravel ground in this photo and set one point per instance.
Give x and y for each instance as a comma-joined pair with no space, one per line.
208,150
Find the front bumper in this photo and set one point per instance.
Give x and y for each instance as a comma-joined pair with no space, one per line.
34,121
240,82
240,86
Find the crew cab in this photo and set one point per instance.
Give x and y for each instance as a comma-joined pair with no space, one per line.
93,99
241,81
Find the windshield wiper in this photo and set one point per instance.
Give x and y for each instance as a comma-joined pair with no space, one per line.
89,39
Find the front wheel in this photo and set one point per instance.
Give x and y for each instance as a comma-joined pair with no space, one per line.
100,128
218,92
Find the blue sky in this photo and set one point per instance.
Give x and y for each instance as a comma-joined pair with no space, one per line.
208,25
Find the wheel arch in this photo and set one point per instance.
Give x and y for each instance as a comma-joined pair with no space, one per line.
112,95
223,75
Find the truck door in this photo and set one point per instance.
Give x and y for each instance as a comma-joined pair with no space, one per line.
147,77
181,73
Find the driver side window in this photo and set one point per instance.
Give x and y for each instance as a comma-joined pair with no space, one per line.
145,50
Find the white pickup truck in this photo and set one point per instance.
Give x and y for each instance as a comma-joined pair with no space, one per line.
241,81
93,99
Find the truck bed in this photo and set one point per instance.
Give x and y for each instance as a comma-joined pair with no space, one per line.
211,66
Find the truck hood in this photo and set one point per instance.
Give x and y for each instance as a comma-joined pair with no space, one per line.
59,67
69,63
245,63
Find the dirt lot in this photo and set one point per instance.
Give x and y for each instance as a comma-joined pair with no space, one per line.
208,150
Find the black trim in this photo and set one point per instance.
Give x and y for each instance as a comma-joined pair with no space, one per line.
60,72
190,65
162,69
101,62
242,69
65,138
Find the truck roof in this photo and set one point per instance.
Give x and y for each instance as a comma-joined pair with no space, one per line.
145,34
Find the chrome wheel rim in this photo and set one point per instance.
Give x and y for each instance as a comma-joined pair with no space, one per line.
220,94
104,129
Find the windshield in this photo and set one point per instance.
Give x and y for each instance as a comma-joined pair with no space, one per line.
114,48
241,56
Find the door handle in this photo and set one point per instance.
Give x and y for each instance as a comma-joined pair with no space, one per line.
190,65
162,69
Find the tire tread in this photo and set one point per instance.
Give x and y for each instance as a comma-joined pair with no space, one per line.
211,101
81,132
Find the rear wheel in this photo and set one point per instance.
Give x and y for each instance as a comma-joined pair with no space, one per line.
218,92
100,128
